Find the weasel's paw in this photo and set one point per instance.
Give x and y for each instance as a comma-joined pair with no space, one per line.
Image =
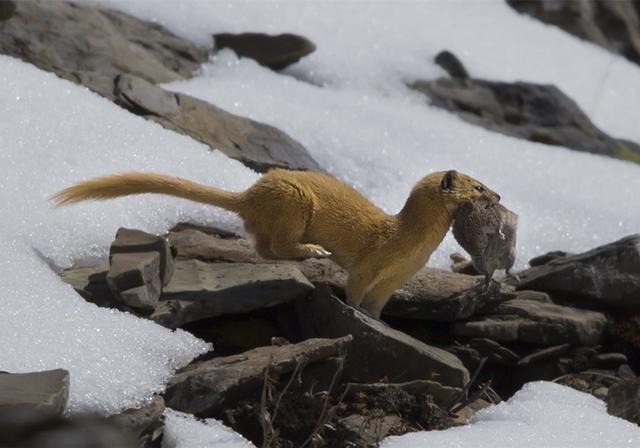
318,251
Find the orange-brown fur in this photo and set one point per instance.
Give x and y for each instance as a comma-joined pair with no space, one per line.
297,215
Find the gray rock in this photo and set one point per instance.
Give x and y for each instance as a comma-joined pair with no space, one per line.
626,372
495,352
7,9
368,431
452,65
91,283
623,400
58,36
378,351
535,112
202,290
129,241
546,258
544,355
608,275
275,52
194,243
443,396
612,25
487,231
146,422
609,360
44,393
257,145
323,270
134,279
438,295
205,388
536,322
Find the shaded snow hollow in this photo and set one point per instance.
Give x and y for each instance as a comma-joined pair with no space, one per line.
541,414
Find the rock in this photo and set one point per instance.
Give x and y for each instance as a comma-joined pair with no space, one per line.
323,270
546,258
203,290
536,322
368,431
495,352
460,265
608,275
58,36
275,52
378,351
134,280
609,360
469,356
91,283
146,423
130,241
7,9
534,112
544,355
625,372
442,296
452,65
443,396
487,231
258,146
623,400
40,393
601,393
464,415
191,243
205,388
612,25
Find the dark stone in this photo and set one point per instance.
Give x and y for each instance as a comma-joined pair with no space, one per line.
535,112
377,351
469,356
536,322
544,355
203,290
191,243
609,360
625,372
146,423
130,241
206,388
443,396
451,64
275,52
442,296
608,275
134,280
614,25
41,393
58,36
258,146
91,283
546,258
495,352
7,9
623,400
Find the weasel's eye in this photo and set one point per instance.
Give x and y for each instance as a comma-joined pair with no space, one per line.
480,188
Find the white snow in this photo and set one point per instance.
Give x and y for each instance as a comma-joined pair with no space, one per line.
541,414
54,133
362,123
185,431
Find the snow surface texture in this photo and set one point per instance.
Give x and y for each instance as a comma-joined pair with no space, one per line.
185,431
541,414
348,104
54,133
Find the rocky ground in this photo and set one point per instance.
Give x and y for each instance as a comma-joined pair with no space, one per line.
293,364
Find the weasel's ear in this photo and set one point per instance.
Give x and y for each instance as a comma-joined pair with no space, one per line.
448,179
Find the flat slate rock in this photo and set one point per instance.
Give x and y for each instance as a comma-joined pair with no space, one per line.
443,296
206,388
131,241
191,243
273,51
536,322
608,275
257,145
443,396
378,351
146,422
43,393
201,290
623,400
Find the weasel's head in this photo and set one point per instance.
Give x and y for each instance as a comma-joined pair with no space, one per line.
458,188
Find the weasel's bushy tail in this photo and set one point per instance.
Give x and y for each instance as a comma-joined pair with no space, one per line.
126,184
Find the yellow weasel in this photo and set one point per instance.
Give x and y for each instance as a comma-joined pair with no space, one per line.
298,215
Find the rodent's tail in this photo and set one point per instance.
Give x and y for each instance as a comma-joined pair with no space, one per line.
126,184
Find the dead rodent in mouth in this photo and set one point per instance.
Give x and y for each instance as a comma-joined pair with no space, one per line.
487,231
